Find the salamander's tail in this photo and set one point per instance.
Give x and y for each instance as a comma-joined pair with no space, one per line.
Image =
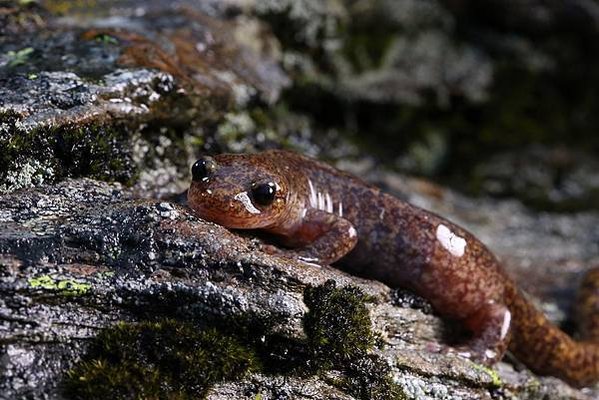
588,307
549,351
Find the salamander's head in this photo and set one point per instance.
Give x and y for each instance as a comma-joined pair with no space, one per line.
238,191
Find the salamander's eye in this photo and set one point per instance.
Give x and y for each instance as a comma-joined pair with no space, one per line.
264,193
202,169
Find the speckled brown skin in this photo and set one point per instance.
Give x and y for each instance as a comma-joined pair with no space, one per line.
326,215
588,307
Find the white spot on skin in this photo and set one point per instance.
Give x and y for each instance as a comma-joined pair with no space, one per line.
244,199
456,245
329,203
490,354
382,214
352,232
313,200
322,200
505,327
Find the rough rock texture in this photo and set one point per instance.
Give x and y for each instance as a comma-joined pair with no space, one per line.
82,255
434,87
550,179
105,104
123,97
429,86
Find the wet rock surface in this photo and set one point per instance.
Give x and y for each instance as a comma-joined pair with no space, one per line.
103,107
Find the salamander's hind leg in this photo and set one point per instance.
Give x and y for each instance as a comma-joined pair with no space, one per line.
490,326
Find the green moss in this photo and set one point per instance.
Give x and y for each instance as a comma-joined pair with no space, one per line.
369,379
97,378
105,275
106,39
177,360
340,335
96,151
495,378
50,154
19,57
67,287
532,387
152,360
338,324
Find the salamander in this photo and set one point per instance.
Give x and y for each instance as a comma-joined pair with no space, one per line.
322,215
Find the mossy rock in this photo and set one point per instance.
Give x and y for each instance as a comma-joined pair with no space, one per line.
158,360
340,337
338,324
51,154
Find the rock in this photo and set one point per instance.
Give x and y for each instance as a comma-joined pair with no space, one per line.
123,97
437,87
103,107
276,388
544,178
79,256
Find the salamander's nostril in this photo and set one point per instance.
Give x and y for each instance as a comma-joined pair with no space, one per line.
202,169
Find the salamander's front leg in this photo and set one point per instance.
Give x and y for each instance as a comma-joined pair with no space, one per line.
490,326
324,238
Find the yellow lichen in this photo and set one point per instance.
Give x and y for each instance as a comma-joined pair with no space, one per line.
67,287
